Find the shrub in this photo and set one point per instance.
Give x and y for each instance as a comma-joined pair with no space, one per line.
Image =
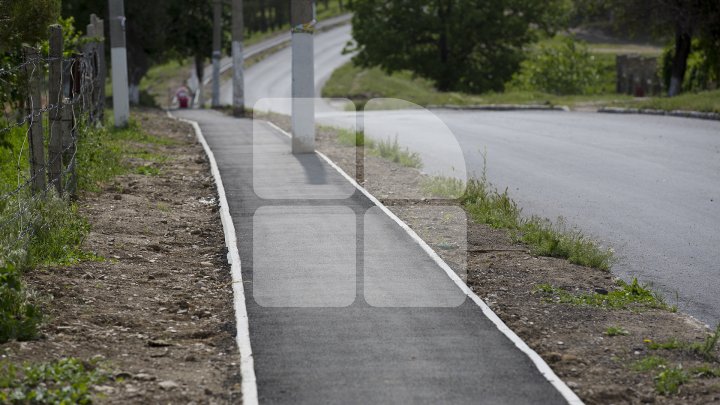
702,72
562,67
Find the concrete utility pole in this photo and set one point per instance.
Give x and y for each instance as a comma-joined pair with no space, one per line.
217,31
118,53
238,28
303,76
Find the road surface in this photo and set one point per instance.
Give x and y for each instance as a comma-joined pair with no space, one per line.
648,186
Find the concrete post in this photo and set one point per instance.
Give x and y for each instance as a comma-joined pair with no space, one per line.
118,53
55,98
217,32
303,76
238,28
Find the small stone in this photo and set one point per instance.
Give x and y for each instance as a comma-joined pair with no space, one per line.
206,264
553,357
569,358
573,384
168,385
560,343
105,389
190,358
158,343
117,197
144,377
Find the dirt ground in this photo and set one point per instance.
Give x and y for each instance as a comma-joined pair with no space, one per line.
159,309
571,338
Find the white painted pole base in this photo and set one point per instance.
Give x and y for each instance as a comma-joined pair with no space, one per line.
303,93
121,101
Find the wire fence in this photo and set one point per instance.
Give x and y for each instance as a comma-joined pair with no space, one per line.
61,95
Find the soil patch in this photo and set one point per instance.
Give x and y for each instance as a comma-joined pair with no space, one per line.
158,310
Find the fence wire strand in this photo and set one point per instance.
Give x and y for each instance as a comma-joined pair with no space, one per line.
19,206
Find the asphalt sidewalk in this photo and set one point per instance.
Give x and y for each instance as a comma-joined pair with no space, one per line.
343,305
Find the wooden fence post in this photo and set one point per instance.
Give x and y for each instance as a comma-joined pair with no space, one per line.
101,67
69,147
35,134
55,98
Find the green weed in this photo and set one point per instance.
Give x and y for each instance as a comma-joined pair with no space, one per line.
487,205
626,296
354,138
392,151
705,371
668,382
19,318
557,240
66,381
672,344
705,349
147,170
649,363
616,331
445,187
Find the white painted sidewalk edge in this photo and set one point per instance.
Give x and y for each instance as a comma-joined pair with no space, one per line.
242,338
541,365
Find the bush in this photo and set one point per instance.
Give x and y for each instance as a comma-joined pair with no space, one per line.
562,67
19,319
702,73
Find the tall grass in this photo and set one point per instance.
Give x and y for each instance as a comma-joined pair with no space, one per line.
384,148
486,205
48,230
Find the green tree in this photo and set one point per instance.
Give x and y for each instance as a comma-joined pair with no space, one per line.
146,32
25,21
462,45
681,20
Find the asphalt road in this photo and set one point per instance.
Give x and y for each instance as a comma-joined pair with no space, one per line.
648,186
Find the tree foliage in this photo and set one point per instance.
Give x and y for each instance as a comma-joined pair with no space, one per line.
462,45
563,67
25,21
680,20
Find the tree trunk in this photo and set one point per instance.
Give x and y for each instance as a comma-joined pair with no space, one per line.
683,43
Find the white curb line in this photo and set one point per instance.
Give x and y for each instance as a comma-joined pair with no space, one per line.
541,365
242,328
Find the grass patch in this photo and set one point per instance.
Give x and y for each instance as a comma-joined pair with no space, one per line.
386,149
705,101
444,187
668,382
616,331
485,204
66,381
557,240
47,230
706,349
353,138
649,363
19,317
361,85
626,296
392,151
148,170
705,371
